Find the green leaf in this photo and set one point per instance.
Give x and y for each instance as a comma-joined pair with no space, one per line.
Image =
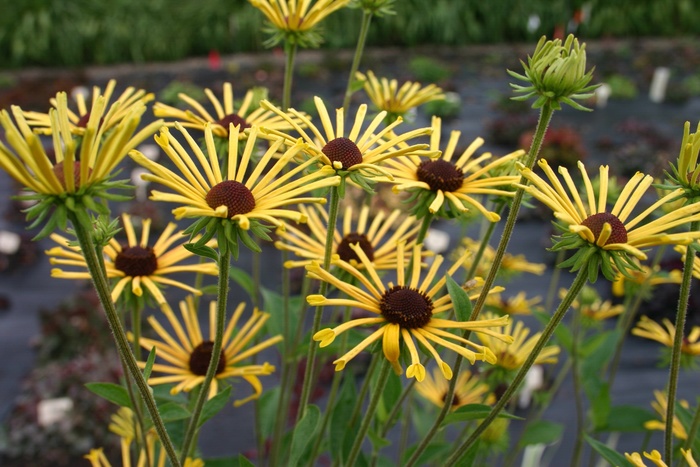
541,432
390,396
149,363
474,412
377,441
268,402
273,303
610,455
237,461
202,250
112,392
171,411
434,452
340,442
304,433
460,299
562,333
627,419
469,457
214,405
243,279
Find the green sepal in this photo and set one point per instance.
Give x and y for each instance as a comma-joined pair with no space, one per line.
203,250
149,363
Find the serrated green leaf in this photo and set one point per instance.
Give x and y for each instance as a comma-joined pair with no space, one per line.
214,405
541,432
304,433
610,455
112,392
460,299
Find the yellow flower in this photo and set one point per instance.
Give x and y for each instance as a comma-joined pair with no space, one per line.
612,231
655,457
468,389
386,95
660,405
120,109
246,115
377,239
405,311
297,15
646,277
79,163
234,195
187,353
510,264
451,186
592,306
135,263
517,304
696,263
650,329
355,153
511,356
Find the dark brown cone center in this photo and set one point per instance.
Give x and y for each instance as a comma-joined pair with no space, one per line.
232,194
343,150
440,175
455,399
409,308
346,253
136,261
58,171
235,119
201,356
83,121
597,221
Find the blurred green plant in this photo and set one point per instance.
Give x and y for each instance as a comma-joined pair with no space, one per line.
428,70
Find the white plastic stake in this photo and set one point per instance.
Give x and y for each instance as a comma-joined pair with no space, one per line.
659,83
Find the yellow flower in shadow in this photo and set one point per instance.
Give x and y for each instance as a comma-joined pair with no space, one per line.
469,389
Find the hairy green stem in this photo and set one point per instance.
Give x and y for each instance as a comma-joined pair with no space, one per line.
370,411
693,431
485,239
361,39
677,342
222,297
83,227
572,293
554,282
576,373
290,50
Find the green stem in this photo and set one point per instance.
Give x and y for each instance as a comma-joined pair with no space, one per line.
576,286
677,342
694,425
554,281
482,247
290,50
222,297
311,355
362,38
82,231
363,389
370,412
580,429
424,227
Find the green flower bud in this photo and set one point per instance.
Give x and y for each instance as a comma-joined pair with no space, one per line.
556,74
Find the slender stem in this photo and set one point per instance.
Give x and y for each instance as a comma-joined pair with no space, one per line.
694,425
370,411
222,297
99,280
482,247
361,39
576,286
677,342
424,227
311,355
576,338
290,50
554,281
363,389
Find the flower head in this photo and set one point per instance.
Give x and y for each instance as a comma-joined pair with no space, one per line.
359,154
469,389
556,74
644,279
607,237
664,334
248,114
686,172
136,264
186,352
404,311
511,356
78,120
517,304
660,405
377,236
249,200
451,188
386,95
511,264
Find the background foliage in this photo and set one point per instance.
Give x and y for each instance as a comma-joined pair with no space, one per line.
81,32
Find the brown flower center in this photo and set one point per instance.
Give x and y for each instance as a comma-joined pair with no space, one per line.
201,356
344,151
455,399
346,253
83,121
409,308
232,194
597,221
58,171
440,175
235,119
136,261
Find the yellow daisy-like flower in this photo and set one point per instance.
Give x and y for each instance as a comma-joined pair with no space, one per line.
187,354
377,239
655,457
511,356
297,15
468,389
244,117
78,120
517,304
592,306
647,277
79,163
611,230
135,264
510,264
405,311
386,95
682,249
359,151
206,192
451,186
660,405
650,329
